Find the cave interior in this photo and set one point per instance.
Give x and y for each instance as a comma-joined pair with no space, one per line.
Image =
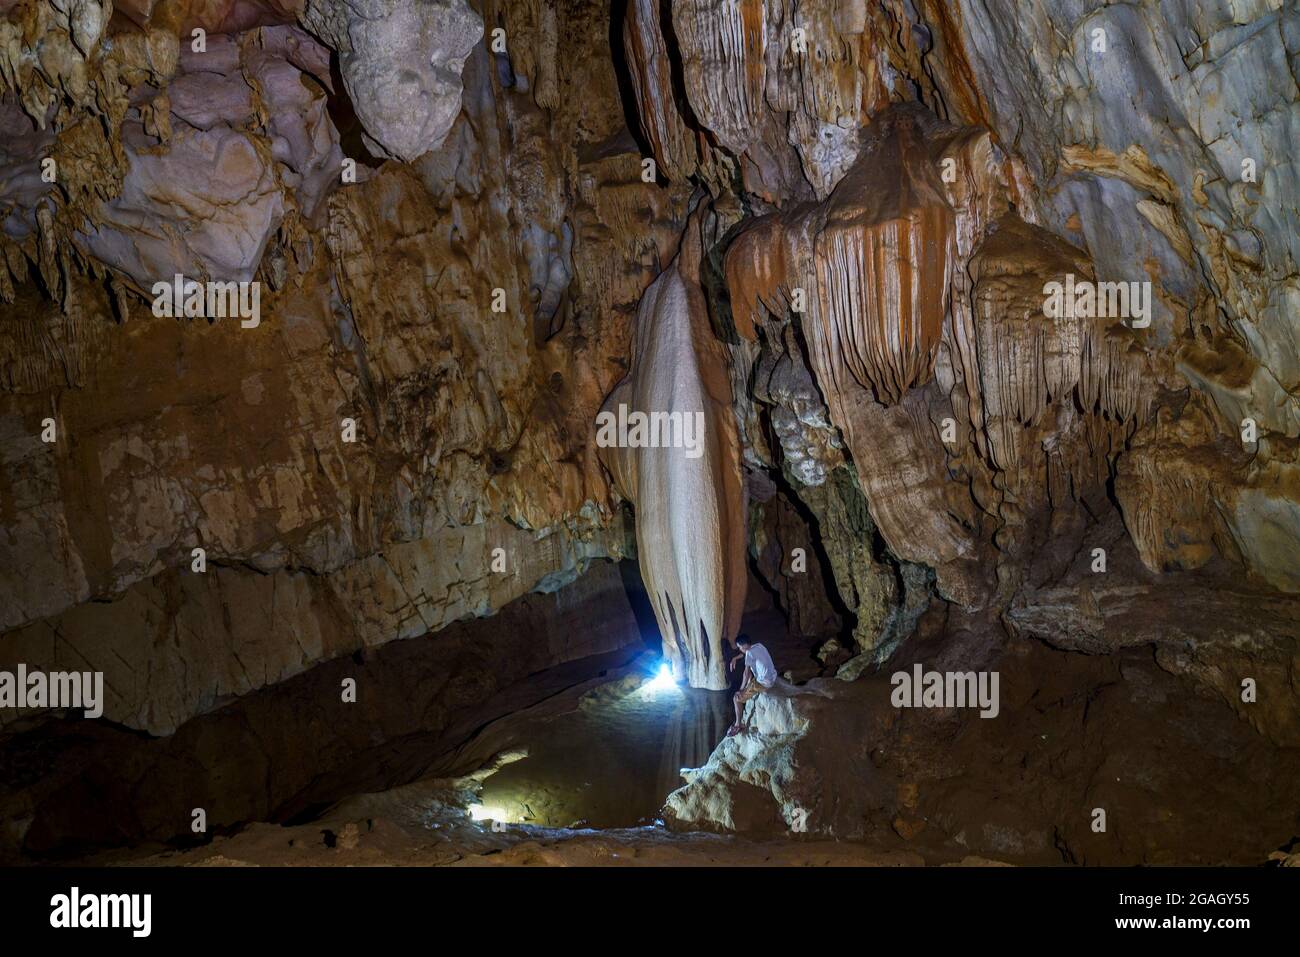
406,406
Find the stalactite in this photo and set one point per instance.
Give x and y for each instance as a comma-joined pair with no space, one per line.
756,269
915,249
873,263
723,64
690,509
868,273
1024,360
1111,376
647,53
881,299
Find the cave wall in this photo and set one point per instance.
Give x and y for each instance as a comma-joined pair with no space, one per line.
472,479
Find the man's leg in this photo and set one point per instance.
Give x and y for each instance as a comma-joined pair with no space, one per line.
739,699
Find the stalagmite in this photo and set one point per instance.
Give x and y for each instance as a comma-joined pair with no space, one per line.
690,508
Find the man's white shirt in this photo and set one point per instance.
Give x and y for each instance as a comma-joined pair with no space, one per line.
759,662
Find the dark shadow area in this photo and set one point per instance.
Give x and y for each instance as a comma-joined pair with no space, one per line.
626,95
345,120
639,599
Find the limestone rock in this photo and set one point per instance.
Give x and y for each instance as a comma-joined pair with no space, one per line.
401,64
247,755
1105,510
207,208
22,147
1171,484
751,781
875,308
722,47
785,548
643,40
1185,621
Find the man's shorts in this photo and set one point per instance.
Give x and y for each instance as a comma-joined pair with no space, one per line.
751,689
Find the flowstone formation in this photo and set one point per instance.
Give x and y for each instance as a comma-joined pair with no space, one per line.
912,240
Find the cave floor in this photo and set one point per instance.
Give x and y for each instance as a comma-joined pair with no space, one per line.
426,825
408,827
610,762
575,780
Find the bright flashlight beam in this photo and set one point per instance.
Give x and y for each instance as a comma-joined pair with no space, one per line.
487,812
663,681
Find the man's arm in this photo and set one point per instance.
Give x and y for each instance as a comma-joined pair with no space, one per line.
731,665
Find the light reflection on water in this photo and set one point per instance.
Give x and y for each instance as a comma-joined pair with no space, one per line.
695,725
613,761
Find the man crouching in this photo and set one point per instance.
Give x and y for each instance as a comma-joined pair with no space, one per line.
760,675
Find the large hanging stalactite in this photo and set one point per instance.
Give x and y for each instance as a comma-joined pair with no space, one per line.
689,500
